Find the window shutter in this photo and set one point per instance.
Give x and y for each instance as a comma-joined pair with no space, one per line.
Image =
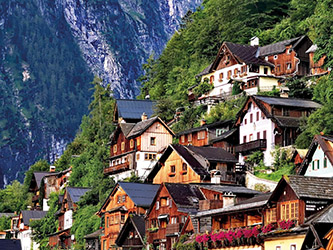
157,205
167,202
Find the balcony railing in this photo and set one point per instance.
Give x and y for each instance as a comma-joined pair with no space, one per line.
117,168
173,229
251,146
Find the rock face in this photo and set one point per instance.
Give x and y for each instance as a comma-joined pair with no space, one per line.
49,52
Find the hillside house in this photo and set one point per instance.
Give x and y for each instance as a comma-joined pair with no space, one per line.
132,234
203,135
131,110
25,232
63,237
124,200
93,240
34,188
169,214
253,67
316,68
319,158
265,122
190,164
135,147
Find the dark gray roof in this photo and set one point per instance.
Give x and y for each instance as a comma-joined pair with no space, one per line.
6,244
135,221
311,187
291,102
39,176
133,109
185,195
225,135
126,127
94,235
141,194
141,127
288,122
247,54
278,47
139,224
76,193
213,154
219,124
28,215
234,189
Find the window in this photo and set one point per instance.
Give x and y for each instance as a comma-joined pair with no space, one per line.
119,199
229,74
157,205
289,210
138,142
201,135
131,143
189,137
251,118
271,215
275,57
107,222
173,169
245,121
122,146
221,77
211,79
258,135
153,141
244,139
137,157
243,69
164,201
150,157
216,196
289,65
184,167
251,137
163,223
174,220
124,198
122,219
235,71
278,68
285,112
257,116
115,149
325,162
313,165
293,247
265,71
264,134
182,138
318,164
254,68
278,248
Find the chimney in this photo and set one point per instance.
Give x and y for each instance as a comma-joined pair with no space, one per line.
144,116
254,41
202,122
52,169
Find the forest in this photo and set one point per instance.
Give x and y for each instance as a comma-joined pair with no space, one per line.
167,79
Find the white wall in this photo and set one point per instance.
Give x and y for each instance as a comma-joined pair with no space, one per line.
263,124
45,205
321,172
26,240
68,219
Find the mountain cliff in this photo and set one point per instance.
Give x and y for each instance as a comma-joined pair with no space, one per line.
50,50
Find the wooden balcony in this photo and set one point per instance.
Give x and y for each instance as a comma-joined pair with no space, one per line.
117,168
210,204
173,229
251,146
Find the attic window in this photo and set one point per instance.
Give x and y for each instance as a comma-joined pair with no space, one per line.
153,141
289,65
131,143
275,57
122,146
115,149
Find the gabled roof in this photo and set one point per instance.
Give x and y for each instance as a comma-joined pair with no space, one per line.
229,189
94,235
213,154
6,244
225,135
306,187
133,109
76,193
326,144
135,221
219,124
40,175
288,102
279,47
185,195
29,215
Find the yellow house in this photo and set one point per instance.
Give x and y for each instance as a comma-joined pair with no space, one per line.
291,240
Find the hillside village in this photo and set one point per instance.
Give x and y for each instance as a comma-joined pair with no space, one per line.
200,188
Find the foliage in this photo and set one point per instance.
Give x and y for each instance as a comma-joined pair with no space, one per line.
281,158
255,158
276,175
47,225
165,109
226,110
203,88
298,88
14,198
4,223
261,187
236,89
41,165
273,92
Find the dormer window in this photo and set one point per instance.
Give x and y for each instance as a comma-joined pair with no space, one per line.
153,141
122,146
132,143
115,149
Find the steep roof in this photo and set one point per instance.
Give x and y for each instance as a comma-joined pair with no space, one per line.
40,175
141,194
29,215
219,124
224,136
94,235
76,193
229,189
279,47
326,144
185,195
138,223
213,154
288,102
6,244
133,109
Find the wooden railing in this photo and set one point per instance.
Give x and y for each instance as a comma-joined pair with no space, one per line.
210,204
118,168
251,146
172,229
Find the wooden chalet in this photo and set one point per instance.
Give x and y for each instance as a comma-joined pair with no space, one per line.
131,110
227,140
319,158
203,135
190,164
169,214
34,188
316,68
63,237
132,234
135,147
298,158
25,231
125,199
265,122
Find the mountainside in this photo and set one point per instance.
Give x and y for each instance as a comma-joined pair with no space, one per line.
50,51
